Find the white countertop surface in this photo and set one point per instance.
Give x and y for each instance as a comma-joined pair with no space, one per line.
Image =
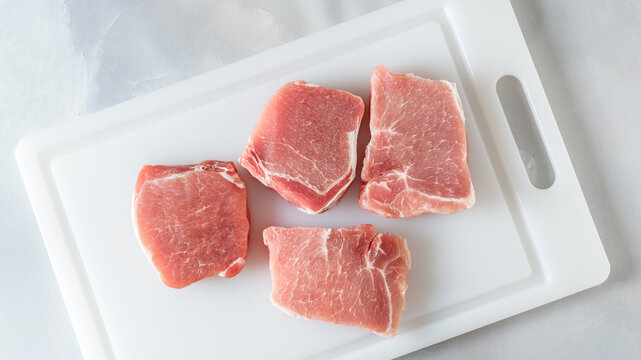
61,59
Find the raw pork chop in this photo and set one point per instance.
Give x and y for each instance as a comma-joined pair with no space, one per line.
346,276
304,145
416,161
192,220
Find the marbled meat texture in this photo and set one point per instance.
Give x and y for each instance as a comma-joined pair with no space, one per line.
304,145
416,160
350,276
192,221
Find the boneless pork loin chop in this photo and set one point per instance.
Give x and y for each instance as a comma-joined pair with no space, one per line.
304,145
192,221
416,160
350,276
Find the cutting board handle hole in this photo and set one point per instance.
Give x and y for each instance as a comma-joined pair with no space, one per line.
525,131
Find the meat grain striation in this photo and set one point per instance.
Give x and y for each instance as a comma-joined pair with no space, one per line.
304,145
350,276
192,221
416,160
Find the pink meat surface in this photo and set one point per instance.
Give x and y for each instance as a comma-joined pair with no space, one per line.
350,276
192,221
304,145
416,161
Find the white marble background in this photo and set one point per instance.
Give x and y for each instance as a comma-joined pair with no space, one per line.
60,59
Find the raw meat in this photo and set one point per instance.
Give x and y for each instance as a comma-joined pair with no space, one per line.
348,276
192,221
304,145
416,161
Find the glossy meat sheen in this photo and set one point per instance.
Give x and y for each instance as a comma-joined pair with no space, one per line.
348,276
416,161
192,220
304,145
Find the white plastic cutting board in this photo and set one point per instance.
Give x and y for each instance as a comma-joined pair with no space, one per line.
518,248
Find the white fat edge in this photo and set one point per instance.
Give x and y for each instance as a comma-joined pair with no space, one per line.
287,311
240,259
269,174
352,95
250,145
459,107
310,211
352,137
338,195
457,99
389,299
470,199
266,180
351,173
412,75
145,251
467,201
234,179
387,334
200,167
304,83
